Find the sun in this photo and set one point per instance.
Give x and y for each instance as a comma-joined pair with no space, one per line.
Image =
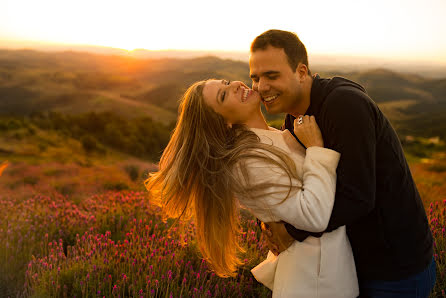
129,49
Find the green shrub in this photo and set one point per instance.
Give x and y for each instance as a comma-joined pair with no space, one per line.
89,143
42,147
31,180
66,189
116,186
13,124
31,131
439,168
132,171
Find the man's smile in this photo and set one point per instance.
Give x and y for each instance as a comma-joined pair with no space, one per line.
270,99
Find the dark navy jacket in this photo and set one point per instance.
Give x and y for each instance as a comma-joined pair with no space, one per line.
376,197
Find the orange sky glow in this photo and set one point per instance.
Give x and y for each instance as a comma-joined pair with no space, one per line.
397,29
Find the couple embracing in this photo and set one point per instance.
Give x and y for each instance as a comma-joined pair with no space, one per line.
336,198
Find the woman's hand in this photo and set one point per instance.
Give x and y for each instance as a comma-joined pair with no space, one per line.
307,131
277,237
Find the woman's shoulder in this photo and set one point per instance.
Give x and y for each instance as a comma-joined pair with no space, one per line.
280,138
271,133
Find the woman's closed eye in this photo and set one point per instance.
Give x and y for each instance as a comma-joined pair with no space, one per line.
223,94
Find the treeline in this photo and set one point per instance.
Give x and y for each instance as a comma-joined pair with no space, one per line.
145,138
141,137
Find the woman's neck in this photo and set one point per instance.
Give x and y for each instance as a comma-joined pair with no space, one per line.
257,121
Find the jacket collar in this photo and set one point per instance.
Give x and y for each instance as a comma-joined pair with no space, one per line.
316,97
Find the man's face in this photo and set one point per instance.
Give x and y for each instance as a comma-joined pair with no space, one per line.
279,85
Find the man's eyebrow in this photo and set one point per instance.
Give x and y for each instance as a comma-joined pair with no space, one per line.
270,72
266,73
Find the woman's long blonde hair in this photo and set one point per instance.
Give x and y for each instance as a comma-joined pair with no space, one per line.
196,177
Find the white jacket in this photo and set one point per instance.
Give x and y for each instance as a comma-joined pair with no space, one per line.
316,267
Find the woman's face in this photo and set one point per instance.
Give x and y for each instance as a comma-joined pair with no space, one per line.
235,101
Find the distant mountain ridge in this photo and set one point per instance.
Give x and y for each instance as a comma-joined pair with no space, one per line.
324,62
73,82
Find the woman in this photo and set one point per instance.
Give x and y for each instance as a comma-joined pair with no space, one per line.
222,152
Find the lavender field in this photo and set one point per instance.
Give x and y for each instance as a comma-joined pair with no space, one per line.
115,243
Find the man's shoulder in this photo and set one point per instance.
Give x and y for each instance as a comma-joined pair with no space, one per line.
347,104
346,97
336,92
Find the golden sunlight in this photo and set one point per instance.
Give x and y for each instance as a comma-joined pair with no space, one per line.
3,166
382,29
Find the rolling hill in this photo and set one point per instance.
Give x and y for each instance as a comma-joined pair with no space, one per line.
75,83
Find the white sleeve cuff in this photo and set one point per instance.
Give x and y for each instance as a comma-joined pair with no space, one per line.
324,155
265,271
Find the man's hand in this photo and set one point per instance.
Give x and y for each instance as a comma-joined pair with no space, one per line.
277,236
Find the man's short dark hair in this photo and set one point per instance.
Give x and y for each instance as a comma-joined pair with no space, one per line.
288,41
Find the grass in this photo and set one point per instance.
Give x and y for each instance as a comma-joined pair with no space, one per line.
116,244
111,244
75,225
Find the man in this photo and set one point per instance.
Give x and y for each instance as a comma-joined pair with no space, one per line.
376,197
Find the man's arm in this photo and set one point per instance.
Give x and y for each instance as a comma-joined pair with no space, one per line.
348,124
349,119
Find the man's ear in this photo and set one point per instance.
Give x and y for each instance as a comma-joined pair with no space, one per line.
302,71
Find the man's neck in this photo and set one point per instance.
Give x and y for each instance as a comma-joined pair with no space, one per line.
304,103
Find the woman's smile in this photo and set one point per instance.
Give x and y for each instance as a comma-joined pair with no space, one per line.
246,93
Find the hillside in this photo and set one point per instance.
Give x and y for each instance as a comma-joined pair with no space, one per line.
76,83
79,133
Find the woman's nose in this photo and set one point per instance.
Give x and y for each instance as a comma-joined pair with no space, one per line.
235,85
238,84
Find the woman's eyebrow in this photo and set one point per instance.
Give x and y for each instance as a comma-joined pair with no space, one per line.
218,92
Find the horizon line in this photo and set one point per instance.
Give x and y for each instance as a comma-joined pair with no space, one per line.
44,45
238,55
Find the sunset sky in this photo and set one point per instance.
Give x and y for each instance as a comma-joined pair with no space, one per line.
399,29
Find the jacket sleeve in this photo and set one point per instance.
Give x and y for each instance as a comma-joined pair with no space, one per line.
310,201
348,123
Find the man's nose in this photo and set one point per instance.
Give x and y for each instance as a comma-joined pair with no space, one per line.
262,86
255,86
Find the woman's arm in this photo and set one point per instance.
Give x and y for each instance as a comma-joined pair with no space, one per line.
311,200
311,197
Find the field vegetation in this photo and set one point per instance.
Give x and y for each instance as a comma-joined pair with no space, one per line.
79,134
